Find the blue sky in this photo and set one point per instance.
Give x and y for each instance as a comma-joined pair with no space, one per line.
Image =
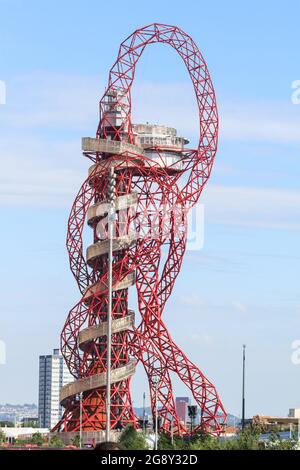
243,286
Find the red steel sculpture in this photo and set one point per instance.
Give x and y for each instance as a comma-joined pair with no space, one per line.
157,181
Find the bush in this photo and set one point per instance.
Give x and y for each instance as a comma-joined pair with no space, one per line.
2,436
76,441
165,442
37,438
131,439
248,440
275,442
6,424
56,442
206,443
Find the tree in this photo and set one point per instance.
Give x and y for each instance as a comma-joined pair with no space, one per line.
56,442
131,439
2,436
275,442
164,442
249,440
6,424
37,438
205,442
76,441
30,424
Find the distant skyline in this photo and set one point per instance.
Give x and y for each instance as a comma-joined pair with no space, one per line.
243,286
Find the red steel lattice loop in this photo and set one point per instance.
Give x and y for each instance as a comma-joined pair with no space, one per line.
149,193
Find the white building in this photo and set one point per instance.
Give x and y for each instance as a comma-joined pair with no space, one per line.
53,374
294,413
22,433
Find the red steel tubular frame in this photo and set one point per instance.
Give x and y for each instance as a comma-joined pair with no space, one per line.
155,187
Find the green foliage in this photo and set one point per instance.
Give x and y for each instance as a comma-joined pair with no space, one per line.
248,440
30,424
37,438
2,436
56,442
131,439
76,441
209,443
245,440
275,442
199,441
18,442
7,424
165,442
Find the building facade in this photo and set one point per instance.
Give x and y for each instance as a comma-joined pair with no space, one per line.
53,374
181,408
294,413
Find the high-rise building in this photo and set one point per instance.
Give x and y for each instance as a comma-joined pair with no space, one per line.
181,408
53,374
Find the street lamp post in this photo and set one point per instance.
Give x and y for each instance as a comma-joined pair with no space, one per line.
144,412
111,219
243,387
156,413
80,420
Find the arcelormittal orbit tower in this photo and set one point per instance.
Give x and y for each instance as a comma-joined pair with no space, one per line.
152,180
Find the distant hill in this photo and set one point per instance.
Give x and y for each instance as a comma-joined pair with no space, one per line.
231,419
139,411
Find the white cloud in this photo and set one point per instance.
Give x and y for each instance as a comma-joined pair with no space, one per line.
174,104
70,102
52,101
40,138
42,165
276,122
253,207
202,338
40,172
192,300
239,306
